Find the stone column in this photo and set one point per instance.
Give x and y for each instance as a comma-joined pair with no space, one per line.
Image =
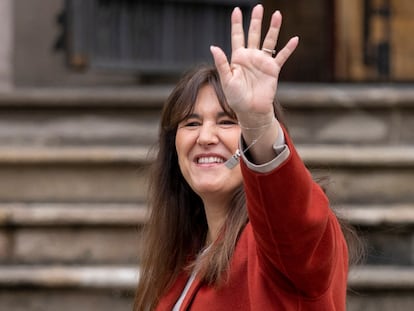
6,44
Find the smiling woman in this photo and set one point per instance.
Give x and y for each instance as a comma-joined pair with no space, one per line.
204,141
258,236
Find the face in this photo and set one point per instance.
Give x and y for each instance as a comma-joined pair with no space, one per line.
204,141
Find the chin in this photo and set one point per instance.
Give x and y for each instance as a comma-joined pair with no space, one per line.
214,189
206,189
214,184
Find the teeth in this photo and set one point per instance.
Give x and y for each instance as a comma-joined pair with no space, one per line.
208,160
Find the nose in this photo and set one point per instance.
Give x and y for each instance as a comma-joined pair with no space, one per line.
207,134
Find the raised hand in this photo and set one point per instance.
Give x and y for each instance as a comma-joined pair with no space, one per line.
250,79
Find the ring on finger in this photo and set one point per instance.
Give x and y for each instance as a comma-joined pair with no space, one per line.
271,52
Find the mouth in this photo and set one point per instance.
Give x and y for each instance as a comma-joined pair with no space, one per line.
210,160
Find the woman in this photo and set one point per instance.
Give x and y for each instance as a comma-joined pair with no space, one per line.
223,235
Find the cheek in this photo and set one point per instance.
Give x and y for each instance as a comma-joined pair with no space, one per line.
182,147
179,142
233,139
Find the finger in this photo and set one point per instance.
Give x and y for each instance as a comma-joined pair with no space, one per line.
222,64
273,32
237,32
287,50
255,28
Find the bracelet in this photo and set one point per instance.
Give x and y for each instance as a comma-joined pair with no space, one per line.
257,128
232,162
254,141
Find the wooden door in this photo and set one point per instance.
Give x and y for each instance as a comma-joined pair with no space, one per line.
373,40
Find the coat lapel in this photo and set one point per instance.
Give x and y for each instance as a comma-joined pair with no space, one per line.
195,286
168,301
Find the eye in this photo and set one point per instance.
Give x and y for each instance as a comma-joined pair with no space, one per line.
190,123
227,122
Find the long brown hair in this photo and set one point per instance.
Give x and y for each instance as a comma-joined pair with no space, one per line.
177,226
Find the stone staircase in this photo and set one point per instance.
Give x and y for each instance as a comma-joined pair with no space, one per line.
72,188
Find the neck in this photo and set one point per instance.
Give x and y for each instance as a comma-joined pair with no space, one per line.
216,213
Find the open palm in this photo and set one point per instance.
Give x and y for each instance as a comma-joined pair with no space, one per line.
250,80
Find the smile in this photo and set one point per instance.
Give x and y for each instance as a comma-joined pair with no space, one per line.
209,160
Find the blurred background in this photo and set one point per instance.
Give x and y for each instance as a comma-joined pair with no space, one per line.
82,83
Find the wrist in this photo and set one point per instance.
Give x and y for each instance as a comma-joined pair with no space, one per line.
255,121
260,141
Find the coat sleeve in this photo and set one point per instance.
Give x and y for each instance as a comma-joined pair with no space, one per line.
296,232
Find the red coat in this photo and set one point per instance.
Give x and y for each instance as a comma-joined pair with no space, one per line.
290,256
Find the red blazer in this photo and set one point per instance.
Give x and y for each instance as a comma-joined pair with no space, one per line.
291,255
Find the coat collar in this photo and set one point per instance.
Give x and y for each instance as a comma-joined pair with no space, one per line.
168,301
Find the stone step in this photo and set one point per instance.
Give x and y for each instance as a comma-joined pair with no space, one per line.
363,174
26,287
119,174
36,214
386,229
382,277
381,288
379,215
33,233
78,174
290,94
313,155
67,288
147,96
401,156
75,155
81,233
78,126
20,214
120,277
126,277
328,114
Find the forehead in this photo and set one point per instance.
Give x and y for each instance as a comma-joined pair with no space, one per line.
207,101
